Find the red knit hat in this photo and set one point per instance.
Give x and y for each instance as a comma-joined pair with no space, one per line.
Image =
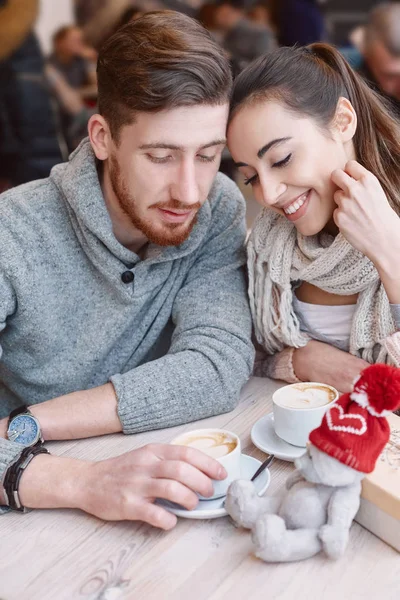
354,430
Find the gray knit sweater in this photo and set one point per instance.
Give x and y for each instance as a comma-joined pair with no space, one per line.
175,342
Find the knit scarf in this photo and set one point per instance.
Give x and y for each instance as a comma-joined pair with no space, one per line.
279,256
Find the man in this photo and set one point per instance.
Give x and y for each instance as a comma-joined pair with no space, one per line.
73,57
244,39
123,298
381,51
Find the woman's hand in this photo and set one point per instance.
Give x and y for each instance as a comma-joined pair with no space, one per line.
366,219
364,215
324,363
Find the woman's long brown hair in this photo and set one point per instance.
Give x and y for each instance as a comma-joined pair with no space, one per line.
310,81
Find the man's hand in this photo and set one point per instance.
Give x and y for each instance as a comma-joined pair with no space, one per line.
124,487
326,364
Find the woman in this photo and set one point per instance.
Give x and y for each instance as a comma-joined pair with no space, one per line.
322,154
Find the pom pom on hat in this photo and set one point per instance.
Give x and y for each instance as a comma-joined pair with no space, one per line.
378,390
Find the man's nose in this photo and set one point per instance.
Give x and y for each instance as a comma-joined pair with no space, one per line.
185,188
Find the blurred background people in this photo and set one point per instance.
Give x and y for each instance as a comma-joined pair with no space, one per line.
29,145
100,18
380,48
38,129
243,38
206,16
71,71
130,14
73,113
263,14
73,57
299,22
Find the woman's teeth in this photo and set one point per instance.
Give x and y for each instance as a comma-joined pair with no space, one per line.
293,208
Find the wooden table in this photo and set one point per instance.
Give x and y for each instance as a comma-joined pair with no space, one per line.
69,555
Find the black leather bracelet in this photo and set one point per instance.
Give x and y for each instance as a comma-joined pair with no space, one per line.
14,474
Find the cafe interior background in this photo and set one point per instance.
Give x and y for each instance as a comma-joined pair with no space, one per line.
58,41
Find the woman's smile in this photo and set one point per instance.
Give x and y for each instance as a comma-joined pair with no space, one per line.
298,208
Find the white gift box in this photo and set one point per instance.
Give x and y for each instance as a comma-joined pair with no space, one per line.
380,497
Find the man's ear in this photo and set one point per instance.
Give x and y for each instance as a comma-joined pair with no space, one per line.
345,120
100,136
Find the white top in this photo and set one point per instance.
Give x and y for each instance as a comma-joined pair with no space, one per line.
333,322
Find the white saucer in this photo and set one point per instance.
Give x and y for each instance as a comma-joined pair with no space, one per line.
212,509
264,437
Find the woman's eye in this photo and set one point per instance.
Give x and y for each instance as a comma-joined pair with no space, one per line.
283,162
159,159
251,180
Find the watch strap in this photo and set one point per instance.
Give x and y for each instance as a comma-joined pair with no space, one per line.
14,473
18,411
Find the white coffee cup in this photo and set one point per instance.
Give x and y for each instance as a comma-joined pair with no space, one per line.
299,408
220,444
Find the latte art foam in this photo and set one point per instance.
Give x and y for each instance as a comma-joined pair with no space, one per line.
213,444
306,395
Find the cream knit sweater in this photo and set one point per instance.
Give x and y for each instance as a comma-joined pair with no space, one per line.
279,257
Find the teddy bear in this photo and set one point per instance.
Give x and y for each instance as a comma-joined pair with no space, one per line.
322,496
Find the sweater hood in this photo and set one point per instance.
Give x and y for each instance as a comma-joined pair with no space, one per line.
78,182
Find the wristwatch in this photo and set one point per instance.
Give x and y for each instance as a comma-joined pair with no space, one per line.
23,428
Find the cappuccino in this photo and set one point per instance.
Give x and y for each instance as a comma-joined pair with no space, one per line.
299,408
215,444
306,395
221,445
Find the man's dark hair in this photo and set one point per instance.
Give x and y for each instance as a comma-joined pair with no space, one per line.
163,60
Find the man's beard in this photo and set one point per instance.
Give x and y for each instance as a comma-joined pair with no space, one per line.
162,234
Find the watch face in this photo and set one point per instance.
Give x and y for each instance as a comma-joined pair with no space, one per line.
24,429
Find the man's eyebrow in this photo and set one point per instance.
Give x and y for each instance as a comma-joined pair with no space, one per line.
221,142
265,149
164,146
159,145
